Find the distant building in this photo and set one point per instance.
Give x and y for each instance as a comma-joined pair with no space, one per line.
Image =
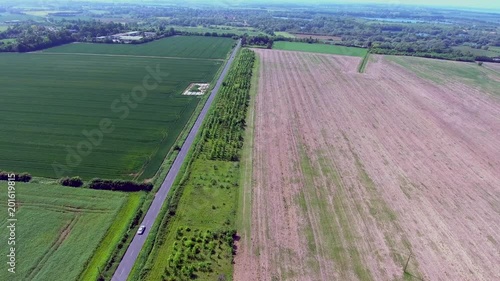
126,37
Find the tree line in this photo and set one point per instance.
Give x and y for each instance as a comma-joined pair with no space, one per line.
30,36
102,184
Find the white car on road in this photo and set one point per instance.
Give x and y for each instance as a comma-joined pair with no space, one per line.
141,229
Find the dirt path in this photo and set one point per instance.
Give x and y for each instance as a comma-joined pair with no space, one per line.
353,172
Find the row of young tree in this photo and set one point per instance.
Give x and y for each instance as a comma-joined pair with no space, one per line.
222,137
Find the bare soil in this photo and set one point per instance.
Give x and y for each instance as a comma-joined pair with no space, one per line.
356,174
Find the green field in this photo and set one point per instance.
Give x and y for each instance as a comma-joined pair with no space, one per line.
177,46
320,48
491,52
49,99
442,72
8,40
3,27
21,17
284,34
494,49
58,228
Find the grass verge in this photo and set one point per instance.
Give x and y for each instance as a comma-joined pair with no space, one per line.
244,216
116,232
363,63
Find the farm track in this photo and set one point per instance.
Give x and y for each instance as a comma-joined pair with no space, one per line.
67,209
62,236
355,172
128,56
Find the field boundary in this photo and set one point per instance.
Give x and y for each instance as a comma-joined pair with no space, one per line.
364,63
244,214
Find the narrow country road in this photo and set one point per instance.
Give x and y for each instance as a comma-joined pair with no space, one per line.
126,264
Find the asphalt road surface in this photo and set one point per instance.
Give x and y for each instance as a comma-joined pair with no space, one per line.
126,264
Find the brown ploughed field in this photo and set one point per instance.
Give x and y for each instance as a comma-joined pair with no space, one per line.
361,176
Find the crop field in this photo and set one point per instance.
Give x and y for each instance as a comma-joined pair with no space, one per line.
492,52
194,47
320,48
60,228
54,104
384,175
439,72
285,34
21,17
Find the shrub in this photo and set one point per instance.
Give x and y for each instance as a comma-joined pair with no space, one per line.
120,185
23,177
74,181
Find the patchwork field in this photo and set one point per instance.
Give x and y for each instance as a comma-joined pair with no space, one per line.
60,228
49,99
385,175
194,47
320,48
